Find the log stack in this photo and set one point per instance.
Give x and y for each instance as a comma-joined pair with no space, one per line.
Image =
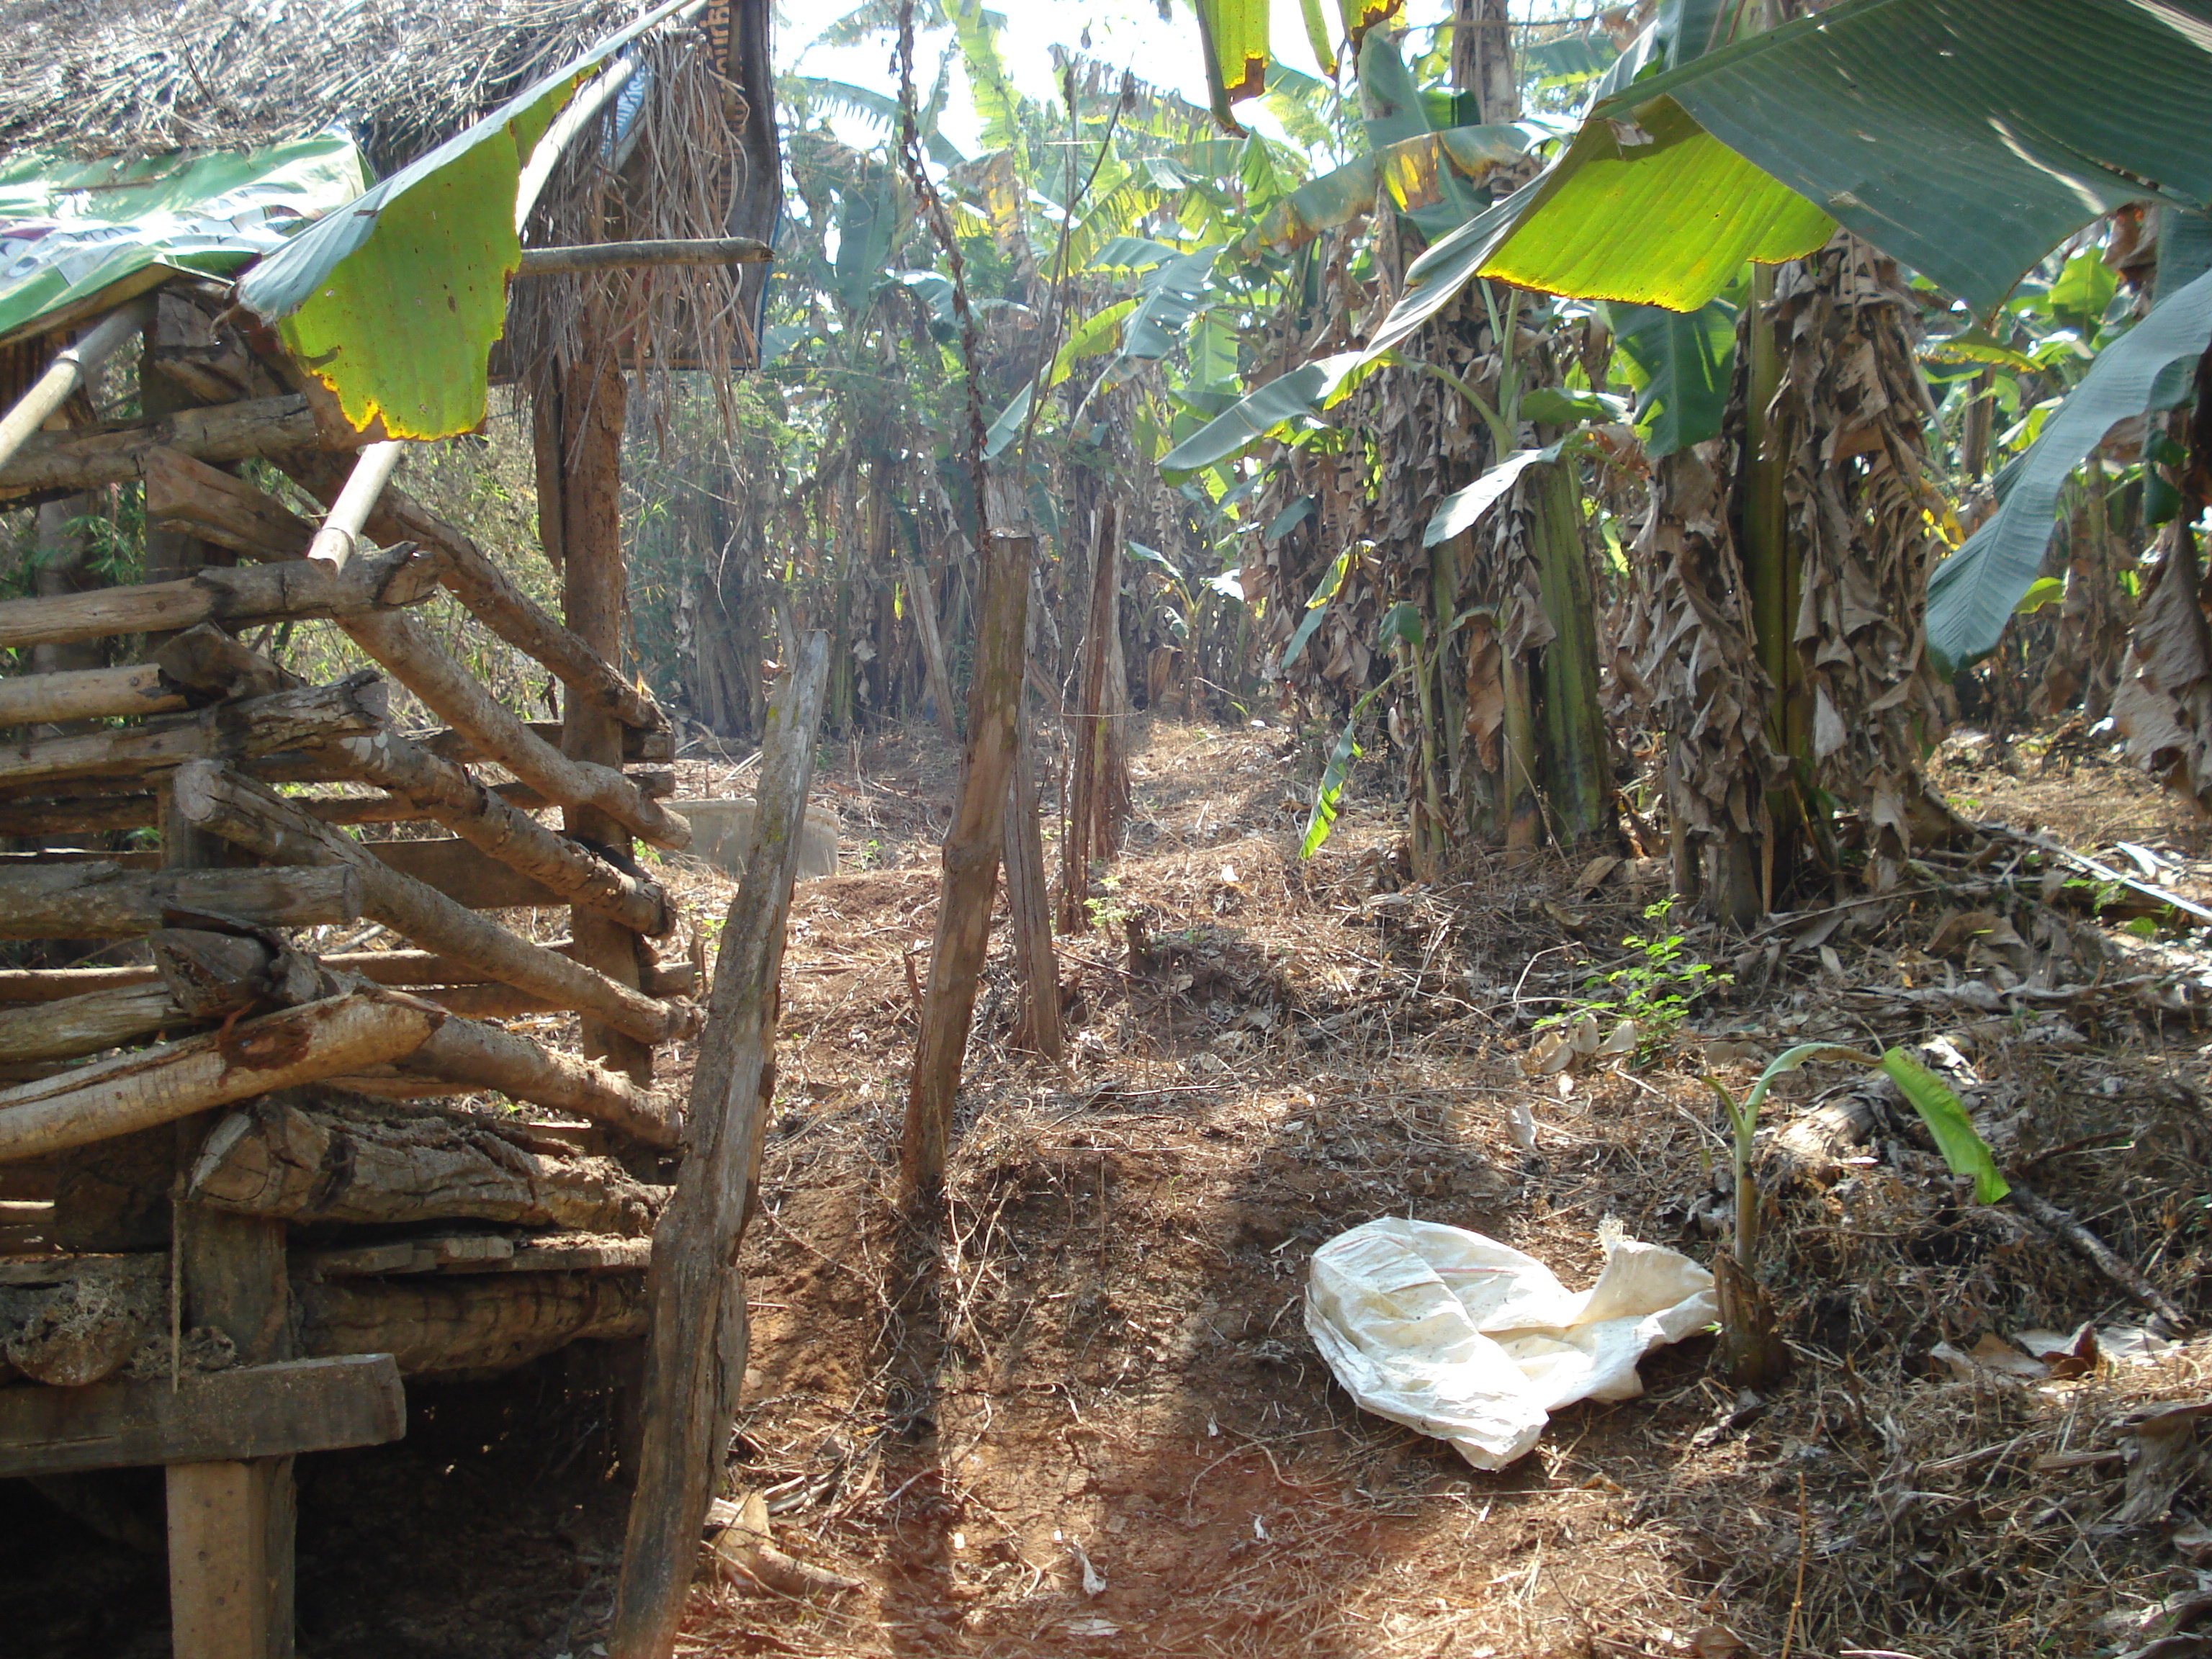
287,1096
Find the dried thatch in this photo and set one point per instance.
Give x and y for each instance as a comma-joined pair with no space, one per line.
105,77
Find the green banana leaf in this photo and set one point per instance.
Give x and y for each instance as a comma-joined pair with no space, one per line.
1679,364
1965,1151
1971,595
1964,149
394,301
1303,392
1463,508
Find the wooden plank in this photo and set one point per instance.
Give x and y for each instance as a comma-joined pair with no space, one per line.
256,1411
230,1553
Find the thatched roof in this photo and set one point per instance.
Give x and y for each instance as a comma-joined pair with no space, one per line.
104,78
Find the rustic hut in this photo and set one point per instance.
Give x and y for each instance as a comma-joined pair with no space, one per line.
262,1161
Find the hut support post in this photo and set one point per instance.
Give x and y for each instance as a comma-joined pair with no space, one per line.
586,525
972,849
230,1522
696,1357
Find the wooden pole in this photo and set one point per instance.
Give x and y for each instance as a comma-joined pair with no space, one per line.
250,815
590,396
70,370
86,693
101,900
696,1355
294,591
971,865
1085,836
117,451
1029,904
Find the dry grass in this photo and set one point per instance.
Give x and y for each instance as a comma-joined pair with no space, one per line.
1102,1346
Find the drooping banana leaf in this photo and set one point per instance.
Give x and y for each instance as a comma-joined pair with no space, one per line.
394,301
1971,594
1304,391
1462,508
1679,364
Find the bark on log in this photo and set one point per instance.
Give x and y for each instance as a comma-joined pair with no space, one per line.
86,694
473,1323
161,1085
205,658
305,1164
666,979
394,809
487,1057
115,451
315,716
695,1361
249,816
85,1324
449,794
102,900
970,866
203,502
85,1024
295,590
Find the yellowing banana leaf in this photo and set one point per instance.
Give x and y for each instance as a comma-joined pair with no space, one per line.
1596,227
394,301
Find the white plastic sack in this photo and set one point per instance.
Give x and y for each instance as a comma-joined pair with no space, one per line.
1469,1339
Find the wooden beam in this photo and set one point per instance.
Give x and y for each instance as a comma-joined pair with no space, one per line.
695,1359
416,661
116,452
103,901
311,717
564,869
258,1410
87,694
305,1164
487,1057
619,256
295,590
469,1323
250,815
195,499
161,1085
492,596
85,1024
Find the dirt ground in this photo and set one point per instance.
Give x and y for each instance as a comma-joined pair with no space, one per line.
1085,1417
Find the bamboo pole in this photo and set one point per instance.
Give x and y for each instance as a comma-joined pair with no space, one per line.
339,538
247,815
695,1361
970,872
70,369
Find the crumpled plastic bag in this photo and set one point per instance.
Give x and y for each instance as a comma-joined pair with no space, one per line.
1470,1340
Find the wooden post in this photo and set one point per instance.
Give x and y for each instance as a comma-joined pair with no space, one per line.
1098,795
1028,905
696,1357
971,864
591,395
922,599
